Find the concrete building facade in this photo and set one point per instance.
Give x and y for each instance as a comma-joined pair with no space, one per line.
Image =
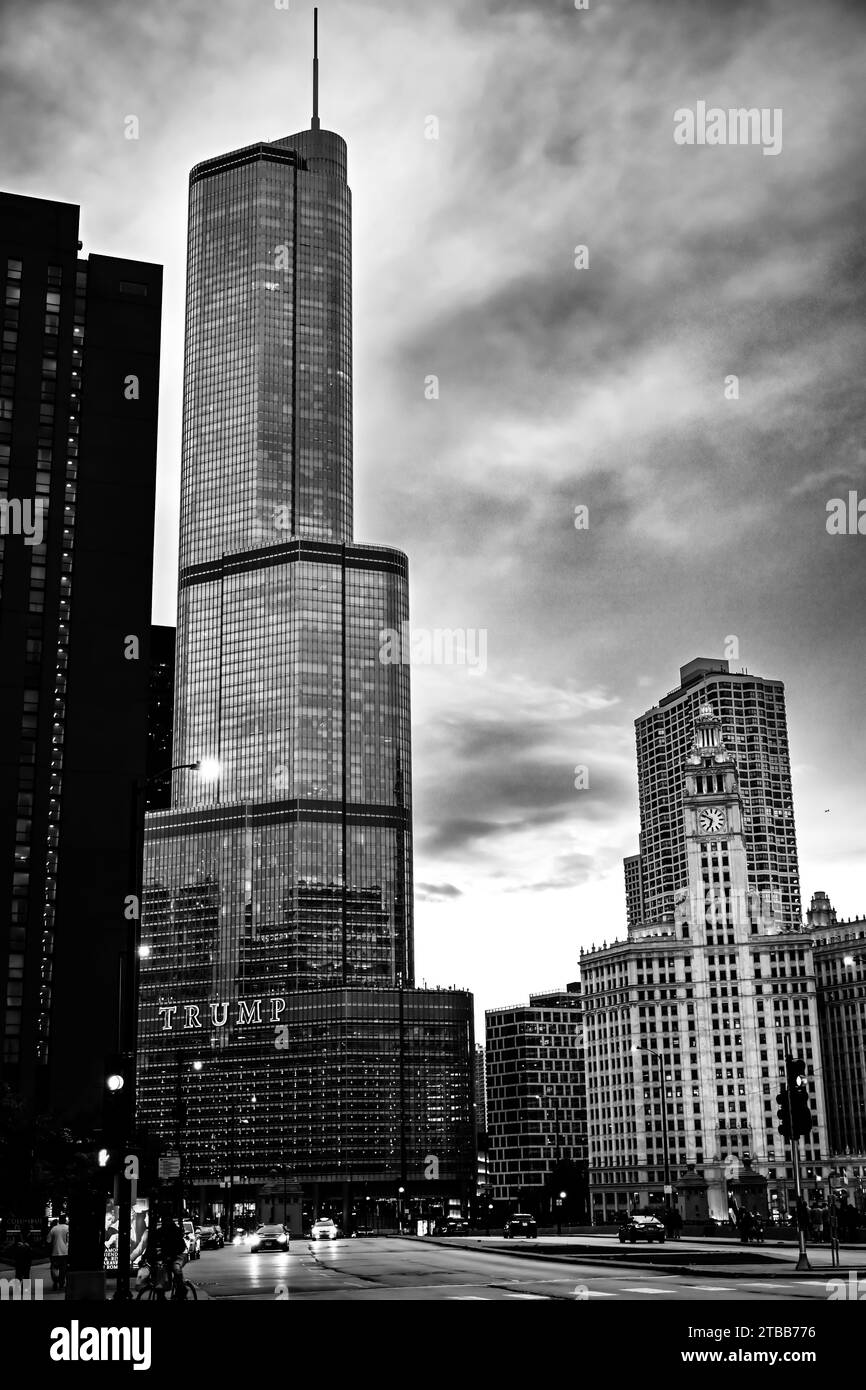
686,1020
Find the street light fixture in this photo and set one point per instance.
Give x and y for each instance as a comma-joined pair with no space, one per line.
559,1204
638,1048
208,769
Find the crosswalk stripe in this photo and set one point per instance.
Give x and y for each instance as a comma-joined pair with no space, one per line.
710,1288
655,1290
753,1285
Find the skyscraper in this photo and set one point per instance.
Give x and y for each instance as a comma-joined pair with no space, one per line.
283,871
686,1020
160,713
78,413
752,711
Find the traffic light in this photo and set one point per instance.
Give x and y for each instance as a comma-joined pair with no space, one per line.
802,1119
783,1114
117,1102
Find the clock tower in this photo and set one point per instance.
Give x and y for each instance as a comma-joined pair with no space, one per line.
718,887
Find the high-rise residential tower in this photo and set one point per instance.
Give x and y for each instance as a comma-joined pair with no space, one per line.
78,413
752,711
279,883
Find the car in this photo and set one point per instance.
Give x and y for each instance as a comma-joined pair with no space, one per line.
269,1238
521,1224
210,1238
647,1228
452,1226
193,1244
324,1229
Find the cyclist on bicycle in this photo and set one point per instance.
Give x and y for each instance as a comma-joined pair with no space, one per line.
166,1248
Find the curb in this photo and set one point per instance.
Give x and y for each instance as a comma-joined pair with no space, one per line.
615,1262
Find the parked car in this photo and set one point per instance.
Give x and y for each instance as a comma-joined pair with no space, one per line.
193,1244
269,1238
325,1229
647,1228
210,1238
521,1224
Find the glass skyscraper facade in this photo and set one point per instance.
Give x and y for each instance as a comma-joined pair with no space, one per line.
288,871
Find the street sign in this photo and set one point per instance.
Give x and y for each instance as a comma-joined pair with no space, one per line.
169,1166
668,1190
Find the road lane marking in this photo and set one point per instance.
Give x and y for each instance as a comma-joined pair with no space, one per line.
753,1285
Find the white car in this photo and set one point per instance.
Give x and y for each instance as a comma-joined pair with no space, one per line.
324,1230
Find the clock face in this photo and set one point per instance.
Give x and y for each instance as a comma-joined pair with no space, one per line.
712,818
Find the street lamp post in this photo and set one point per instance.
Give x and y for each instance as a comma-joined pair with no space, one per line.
128,1011
659,1056
562,1197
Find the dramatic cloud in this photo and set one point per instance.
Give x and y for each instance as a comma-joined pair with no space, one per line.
602,387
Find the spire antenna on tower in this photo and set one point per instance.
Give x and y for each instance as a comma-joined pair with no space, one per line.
314,124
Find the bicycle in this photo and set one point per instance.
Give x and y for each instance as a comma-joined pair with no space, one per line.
160,1286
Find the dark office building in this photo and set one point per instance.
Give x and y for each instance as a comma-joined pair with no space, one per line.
78,413
160,716
536,1105
284,865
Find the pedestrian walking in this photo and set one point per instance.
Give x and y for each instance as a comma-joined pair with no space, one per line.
58,1245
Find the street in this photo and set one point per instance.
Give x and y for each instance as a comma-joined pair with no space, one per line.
492,1269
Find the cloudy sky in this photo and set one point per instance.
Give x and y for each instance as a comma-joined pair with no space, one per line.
559,387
